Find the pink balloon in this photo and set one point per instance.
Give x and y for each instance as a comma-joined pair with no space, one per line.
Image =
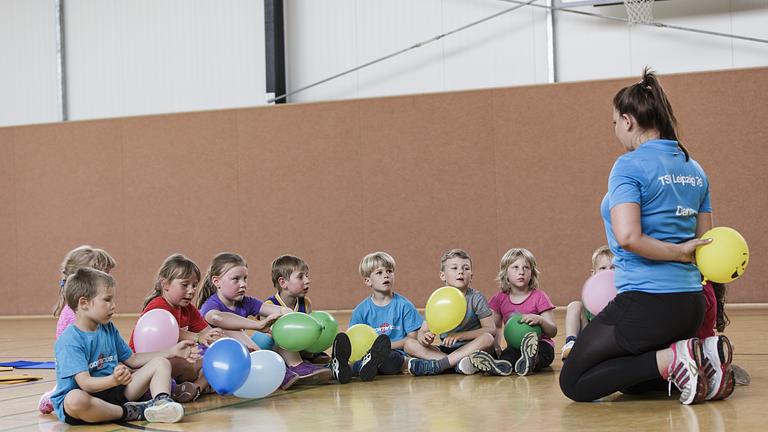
598,291
156,330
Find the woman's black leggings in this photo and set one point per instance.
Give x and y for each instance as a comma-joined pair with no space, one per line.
617,350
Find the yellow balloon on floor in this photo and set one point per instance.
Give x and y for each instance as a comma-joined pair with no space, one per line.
445,309
726,258
361,337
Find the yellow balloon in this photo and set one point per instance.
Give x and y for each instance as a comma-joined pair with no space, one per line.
361,337
445,309
725,258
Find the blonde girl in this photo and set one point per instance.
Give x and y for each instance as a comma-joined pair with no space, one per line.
520,293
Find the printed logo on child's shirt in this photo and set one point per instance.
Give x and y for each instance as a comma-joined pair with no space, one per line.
385,328
99,364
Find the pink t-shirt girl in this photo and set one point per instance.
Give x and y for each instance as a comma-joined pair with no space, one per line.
66,318
536,303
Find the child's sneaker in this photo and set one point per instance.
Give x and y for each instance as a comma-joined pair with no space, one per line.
420,367
45,405
486,363
529,350
342,349
685,371
185,392
465,366
741,376
567,349
718,353
369,365
308,373
289,379
158,410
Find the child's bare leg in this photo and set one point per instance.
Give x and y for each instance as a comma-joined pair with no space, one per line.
182,370
573,318
83,406
482,343
155,375
416,349
291,358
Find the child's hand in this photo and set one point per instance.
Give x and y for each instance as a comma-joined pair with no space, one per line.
209,335
451,340
284,310
187,350
531,319
266,323
122,374
425,338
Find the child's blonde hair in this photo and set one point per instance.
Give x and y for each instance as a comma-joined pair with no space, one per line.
602,250
508,259
283,266
221,264
454,253
374,260
77,258
85,282
176,266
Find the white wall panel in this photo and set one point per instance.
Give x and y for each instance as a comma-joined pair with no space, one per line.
320,41
146,56
592,48
28,76
508,50
750,18
325,38
387,27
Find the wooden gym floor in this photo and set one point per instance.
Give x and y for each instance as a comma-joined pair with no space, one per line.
448,402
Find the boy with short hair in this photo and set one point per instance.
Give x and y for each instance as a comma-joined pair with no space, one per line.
290,277
393,317
476,332
576,315
93,381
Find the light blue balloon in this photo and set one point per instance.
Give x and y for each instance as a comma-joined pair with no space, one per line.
266,375
263,340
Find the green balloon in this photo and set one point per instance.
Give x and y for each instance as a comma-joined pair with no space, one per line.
295,331
330,327
515,330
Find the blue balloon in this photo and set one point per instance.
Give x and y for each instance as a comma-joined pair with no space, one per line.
263,340
226,365
266,374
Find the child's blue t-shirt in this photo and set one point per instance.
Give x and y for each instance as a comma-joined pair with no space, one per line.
97,353
671,192
249,306
395,320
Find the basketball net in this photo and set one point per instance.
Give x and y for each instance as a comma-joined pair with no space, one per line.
639,11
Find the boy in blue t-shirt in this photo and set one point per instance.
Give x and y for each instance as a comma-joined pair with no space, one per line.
93,381
393,317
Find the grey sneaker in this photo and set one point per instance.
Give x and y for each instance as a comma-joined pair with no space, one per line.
486,363
421,367
466,367
164,411
529,350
